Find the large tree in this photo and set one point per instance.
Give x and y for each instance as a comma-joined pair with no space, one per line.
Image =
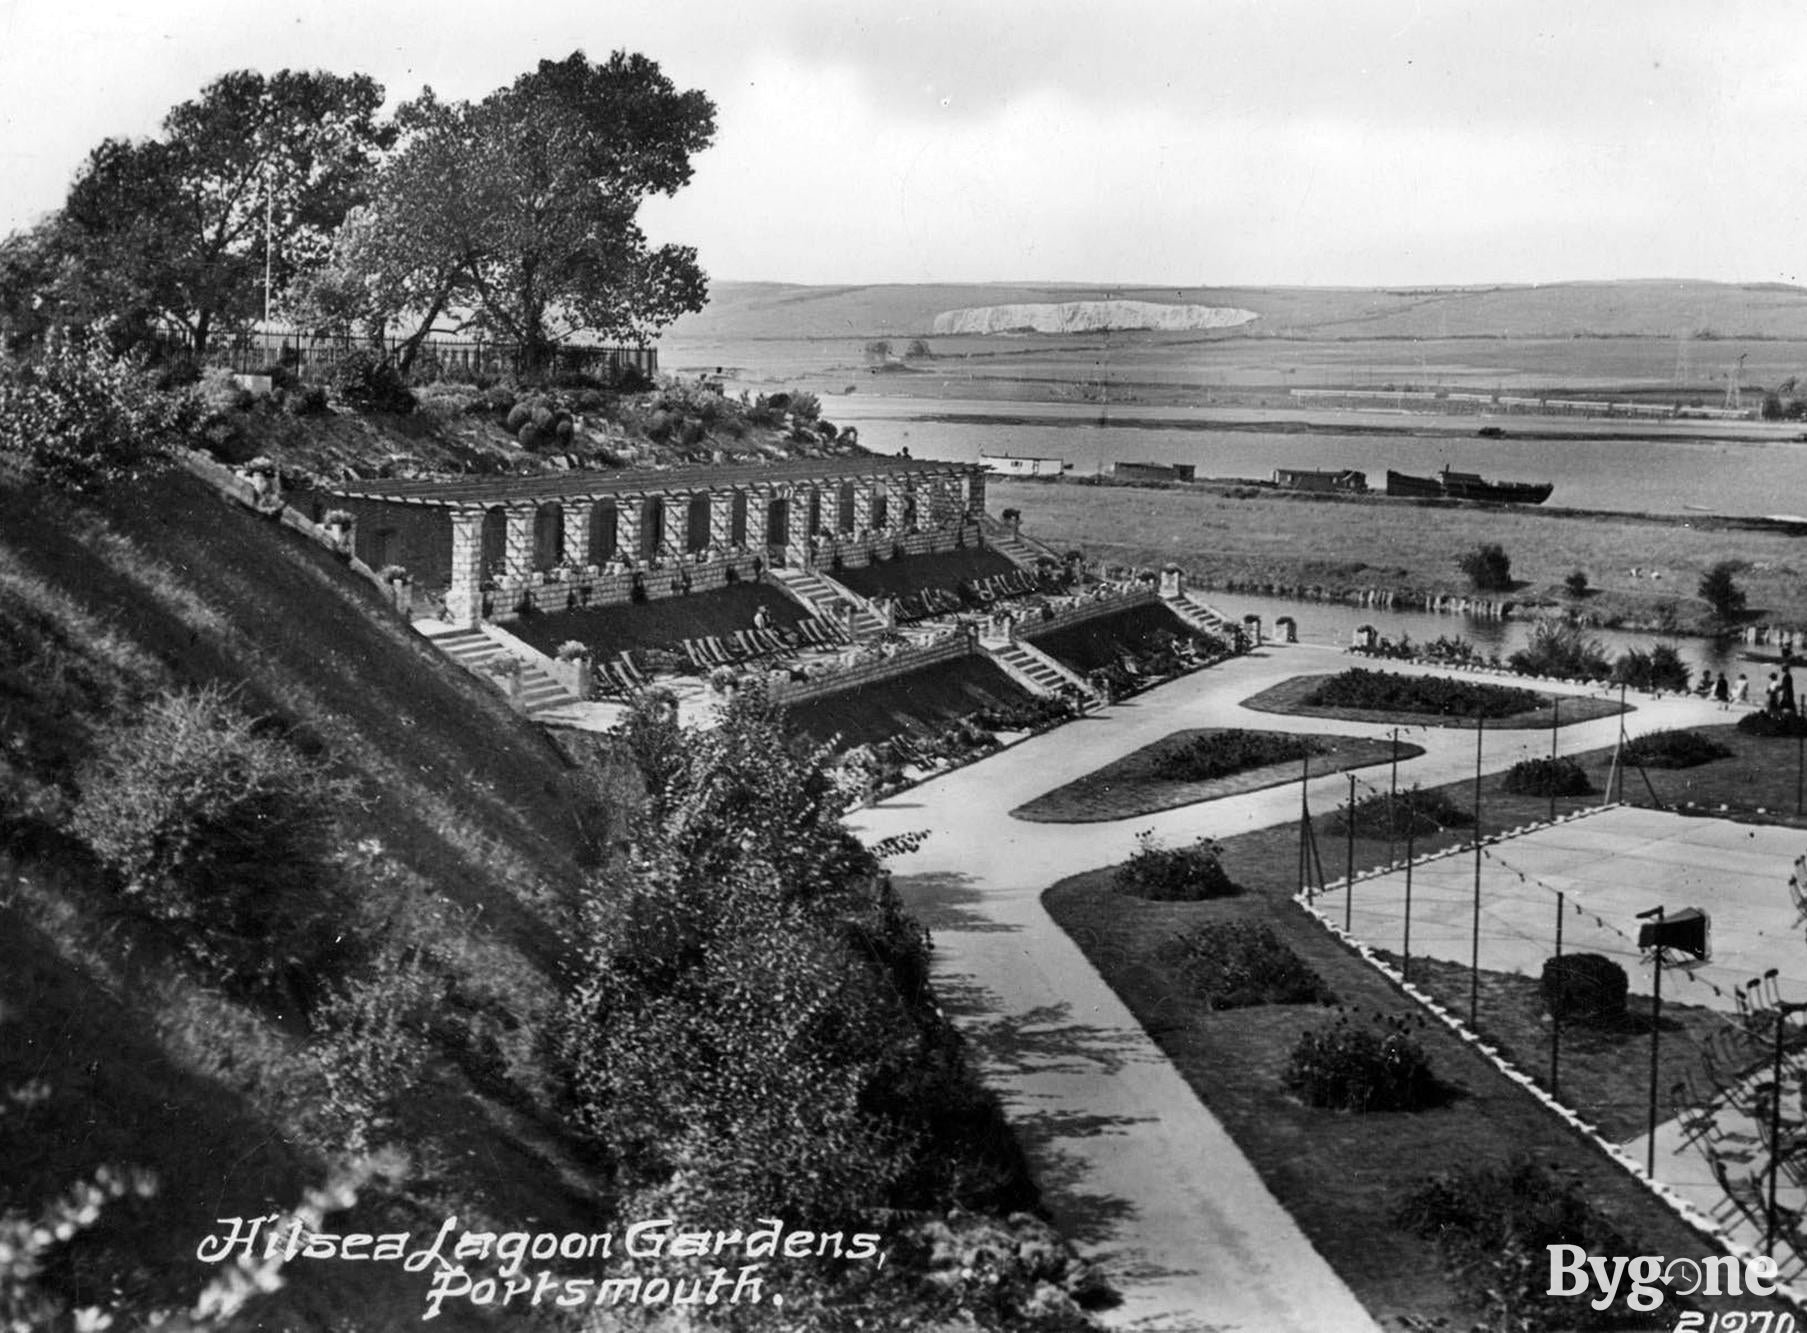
173,230
522,208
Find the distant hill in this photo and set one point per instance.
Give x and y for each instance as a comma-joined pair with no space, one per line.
1658,308
1089,317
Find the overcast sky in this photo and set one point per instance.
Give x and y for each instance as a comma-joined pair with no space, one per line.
1170,142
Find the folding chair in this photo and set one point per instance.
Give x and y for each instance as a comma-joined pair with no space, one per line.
631,674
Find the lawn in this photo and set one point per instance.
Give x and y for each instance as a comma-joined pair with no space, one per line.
1342,1176
1251,541
1100,642
940,569
1133,785
921,701
1290,696
1603,1073
663,623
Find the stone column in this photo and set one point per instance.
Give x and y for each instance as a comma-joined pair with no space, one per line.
517,549
721,518
578,517
759,518
677,522
975,493
464,598
628,509
862,506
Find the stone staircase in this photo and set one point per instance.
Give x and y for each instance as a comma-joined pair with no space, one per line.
1019,550
817,591
1036,671
1200,616
474,650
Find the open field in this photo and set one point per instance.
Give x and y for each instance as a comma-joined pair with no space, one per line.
1677,339
1250,540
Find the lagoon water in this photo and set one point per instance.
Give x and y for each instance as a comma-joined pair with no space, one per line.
1647,474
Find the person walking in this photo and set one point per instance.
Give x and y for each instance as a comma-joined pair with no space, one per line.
1772,694
1741,693
1722,692
1786,699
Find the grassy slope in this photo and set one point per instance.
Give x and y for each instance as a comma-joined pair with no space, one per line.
1345,545
176,587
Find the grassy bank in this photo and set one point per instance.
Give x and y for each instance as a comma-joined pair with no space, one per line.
1255,541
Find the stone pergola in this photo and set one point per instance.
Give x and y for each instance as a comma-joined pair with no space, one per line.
612,536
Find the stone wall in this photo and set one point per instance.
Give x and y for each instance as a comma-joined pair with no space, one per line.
905,662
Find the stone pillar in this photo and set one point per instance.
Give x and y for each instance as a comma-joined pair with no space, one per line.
464,598
721,518
1173,582
518,544
628,512
862,506
939,506
677,522
759,518
578,516
975,493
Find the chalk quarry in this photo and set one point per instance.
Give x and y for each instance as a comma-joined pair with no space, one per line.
1089,317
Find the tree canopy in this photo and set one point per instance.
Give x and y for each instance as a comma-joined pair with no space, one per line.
518,213
174,229
521,209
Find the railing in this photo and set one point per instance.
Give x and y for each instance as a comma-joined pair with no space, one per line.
253,352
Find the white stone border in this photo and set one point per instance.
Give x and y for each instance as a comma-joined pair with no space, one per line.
1793,1292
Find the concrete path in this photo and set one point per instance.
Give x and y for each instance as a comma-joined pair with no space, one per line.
1134,1167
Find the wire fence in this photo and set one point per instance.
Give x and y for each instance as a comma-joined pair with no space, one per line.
1731,1089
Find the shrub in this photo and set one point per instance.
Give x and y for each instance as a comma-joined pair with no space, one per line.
1719,589
1674,749
1488,568
366,382
1385,815
572,649
1547,777
1576,583
1348,1066
1174,874
1773,724
751,979
805,406
1220,753
304,400
1384,691
392,573
1661,668
1494,1228
1234,964
1559,648
76,417
1585,988
222,836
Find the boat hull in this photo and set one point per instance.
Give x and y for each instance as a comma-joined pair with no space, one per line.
1461,486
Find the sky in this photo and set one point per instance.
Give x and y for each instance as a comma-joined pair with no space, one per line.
1165,142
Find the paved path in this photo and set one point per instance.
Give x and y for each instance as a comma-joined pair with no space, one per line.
1134,1167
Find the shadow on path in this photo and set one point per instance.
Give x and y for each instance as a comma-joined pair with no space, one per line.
947,902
